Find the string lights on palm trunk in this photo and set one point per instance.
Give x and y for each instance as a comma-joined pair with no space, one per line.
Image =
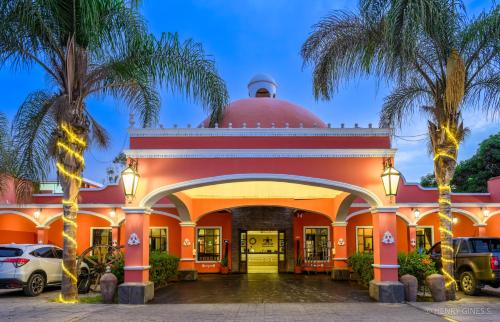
71,145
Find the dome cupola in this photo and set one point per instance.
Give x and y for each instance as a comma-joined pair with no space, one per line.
262,85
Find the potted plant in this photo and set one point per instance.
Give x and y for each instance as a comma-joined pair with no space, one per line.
298,265
224,269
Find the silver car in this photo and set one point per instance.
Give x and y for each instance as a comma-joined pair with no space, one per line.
32,267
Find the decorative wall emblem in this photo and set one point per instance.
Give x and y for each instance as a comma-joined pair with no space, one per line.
133,240
388,239
413,242
341,242
187,242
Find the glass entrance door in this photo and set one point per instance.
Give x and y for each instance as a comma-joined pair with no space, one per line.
263,251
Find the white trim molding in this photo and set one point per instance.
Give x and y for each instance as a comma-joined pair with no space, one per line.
136,268
136,210
375,210
385,265
257,153
186,259
211,132
339,224
340,259
187,224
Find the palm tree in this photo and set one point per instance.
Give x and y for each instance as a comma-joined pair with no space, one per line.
88,48
439,61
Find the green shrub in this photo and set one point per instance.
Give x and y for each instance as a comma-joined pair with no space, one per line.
361,264
163,267
417,264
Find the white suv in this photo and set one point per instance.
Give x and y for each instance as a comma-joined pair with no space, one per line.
31,267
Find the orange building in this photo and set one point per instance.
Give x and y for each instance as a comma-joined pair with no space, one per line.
269,185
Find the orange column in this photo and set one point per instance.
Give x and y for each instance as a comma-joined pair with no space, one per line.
384,244
115,235
136,245
412,237
340,244
188,246
42,235
481,230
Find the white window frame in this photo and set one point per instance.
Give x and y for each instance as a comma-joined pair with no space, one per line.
304,240
432,233
92,234
159,227
373,237
220,244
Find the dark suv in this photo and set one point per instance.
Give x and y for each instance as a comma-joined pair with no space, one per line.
476,262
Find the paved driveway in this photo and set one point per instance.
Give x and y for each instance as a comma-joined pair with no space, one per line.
261,288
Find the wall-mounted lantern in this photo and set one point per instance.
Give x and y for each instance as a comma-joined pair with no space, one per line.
486,212
416,213
112,213
37,213
130,179
390,178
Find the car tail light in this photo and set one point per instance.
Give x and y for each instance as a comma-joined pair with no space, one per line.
494,262
17,262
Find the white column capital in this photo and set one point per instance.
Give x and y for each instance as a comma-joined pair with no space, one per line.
136,210
339,224
375,210
187,224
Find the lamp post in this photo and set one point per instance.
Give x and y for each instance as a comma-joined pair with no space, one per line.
130,179
390,178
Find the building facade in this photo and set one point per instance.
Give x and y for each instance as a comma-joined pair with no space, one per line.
270,185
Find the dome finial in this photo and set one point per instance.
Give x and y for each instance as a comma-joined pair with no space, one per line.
262,85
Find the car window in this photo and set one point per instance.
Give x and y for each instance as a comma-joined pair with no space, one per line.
58,253
44,252
464,247
456,242
10,252
486,245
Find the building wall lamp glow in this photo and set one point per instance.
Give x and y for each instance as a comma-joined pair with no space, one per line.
112,213
37,213
130,179
455,220
486,212
416,213
390,178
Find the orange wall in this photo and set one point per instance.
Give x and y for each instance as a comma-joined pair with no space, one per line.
16,229
360,220
308,219
218,219
401,235
85,222
463,228
493,228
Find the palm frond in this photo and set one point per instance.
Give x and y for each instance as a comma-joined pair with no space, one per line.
33,128
403,101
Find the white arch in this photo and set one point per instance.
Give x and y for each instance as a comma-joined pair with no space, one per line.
466,213
22,214
494,213
364,211
53,218
151,198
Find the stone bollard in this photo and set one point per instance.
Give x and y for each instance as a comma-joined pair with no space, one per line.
410,284
436,285
108,286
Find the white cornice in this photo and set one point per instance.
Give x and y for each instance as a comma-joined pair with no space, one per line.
159,132
258,153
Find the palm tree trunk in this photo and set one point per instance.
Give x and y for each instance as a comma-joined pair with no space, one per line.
445,147
70,145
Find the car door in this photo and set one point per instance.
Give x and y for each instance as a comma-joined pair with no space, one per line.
58,254
48,263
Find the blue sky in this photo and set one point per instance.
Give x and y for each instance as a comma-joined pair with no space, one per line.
246,37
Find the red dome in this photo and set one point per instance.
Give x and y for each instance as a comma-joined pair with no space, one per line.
267,111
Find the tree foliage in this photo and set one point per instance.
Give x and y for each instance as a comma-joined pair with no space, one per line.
472,175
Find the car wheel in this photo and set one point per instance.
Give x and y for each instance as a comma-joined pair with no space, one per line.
84,281
35,285
468,283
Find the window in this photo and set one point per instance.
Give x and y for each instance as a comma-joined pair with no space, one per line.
364,238
58,253
316,243
158,239
101,236
208,244
43,252
424,238
464,247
